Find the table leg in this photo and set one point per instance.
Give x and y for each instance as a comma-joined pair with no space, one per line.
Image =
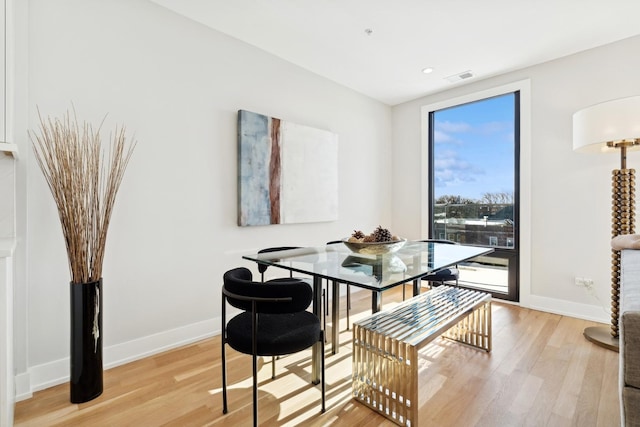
416,287
316,352
335,317
376,301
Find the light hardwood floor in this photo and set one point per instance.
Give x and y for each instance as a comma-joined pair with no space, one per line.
541,372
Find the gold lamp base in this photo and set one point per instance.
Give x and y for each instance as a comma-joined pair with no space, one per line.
601,335
622,222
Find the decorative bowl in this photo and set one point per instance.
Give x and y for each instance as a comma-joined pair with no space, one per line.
374,248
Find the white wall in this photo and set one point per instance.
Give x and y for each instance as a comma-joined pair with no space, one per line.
569,193
177,85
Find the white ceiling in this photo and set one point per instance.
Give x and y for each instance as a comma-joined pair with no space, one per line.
486,37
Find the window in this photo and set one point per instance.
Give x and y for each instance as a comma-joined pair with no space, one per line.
473,185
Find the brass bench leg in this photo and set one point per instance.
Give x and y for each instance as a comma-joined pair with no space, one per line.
475,329
385,375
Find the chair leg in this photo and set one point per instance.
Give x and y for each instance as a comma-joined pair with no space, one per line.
224,356
224,380
273,367
322,370
254,356
255,390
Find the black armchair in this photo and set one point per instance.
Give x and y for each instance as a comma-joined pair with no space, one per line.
263,267
274,322
449,274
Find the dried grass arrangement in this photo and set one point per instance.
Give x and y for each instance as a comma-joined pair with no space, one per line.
84,186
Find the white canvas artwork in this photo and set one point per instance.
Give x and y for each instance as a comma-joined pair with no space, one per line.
309,178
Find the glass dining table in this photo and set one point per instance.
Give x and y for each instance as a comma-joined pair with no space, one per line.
374,272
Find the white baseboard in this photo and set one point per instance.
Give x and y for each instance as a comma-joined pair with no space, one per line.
567,308
23,387
57,372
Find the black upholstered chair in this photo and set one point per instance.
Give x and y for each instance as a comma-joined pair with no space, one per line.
440,277
274,321
263,267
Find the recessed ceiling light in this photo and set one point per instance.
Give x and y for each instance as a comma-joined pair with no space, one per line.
427,70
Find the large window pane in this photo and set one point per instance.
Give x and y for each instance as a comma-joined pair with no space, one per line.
473,172
473,186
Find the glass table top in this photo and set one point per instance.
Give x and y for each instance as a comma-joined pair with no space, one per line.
375,272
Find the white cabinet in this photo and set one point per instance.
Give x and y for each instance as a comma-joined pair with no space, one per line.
7,220
3,70
6,74
7,384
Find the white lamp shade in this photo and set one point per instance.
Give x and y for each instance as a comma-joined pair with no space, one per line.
616,120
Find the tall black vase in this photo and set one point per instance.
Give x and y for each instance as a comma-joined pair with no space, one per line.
86,341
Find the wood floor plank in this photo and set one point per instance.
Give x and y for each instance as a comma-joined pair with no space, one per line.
606,410
578,358
541,372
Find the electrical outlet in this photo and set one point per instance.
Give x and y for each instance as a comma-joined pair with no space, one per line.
584,282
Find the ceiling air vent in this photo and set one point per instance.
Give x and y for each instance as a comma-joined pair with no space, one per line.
460,76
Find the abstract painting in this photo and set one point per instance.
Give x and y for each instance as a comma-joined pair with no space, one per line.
287,173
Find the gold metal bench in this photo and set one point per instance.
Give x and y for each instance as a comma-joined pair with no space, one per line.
386,345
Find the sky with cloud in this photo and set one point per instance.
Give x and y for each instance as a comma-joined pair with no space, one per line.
474,148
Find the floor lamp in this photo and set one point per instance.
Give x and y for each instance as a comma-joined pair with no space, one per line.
609,127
